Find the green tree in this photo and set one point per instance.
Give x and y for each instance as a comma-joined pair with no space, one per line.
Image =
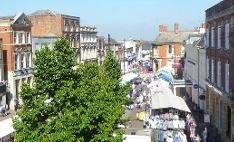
54,80
83,104
112,68
101,110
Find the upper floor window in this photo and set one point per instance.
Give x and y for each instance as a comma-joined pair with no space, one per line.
28,37
28,60
212,71
170,49
208,68
22,40
219,74
227,43
16,38
16,62
72,26
65,25
77,25
155,50
22,64
227,78
219,37
212,38
207,37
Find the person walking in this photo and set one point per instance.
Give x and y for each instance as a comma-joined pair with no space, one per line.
204,135
214,133
16,106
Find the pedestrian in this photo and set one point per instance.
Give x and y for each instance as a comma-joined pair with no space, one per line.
16,106
183,137
204,135
214,133
198,138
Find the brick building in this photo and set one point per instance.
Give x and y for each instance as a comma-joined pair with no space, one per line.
47,22
15,32
168,47
220,65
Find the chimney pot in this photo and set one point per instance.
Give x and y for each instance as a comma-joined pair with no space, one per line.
162,28
176,27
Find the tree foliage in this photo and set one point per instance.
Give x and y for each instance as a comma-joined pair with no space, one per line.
84,105
113,69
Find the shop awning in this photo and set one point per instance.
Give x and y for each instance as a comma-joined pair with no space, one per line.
163,100
6,127
166,77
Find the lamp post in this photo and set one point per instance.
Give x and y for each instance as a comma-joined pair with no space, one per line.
198,77
124,56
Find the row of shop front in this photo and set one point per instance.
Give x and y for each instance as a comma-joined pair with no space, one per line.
220,107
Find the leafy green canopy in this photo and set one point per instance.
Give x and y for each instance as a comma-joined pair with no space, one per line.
84,105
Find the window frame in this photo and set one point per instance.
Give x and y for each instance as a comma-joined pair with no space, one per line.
227,32
227,77
219,37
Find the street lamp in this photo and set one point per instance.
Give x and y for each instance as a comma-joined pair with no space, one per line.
124,55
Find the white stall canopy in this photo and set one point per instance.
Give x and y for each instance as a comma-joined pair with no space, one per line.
129,76
164,100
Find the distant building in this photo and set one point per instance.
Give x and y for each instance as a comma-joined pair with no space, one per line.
101,49
168,47
88,43
47,22
15,32
195,69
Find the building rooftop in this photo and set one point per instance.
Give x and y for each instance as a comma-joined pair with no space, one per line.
171,37
112,41
43,12
7,17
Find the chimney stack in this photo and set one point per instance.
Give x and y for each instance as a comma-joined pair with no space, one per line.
162,28
176,27
203,25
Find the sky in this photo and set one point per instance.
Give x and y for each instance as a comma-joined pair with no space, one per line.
122,18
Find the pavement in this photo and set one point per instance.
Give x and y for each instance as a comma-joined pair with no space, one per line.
10,113
200,123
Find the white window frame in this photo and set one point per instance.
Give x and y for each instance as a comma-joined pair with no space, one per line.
28,37
16,37
219,37
207,38
227,42
155,50
170,46
219,74
28,60
227,77
212,38
22,60
22,38
207,68
16,61
212,71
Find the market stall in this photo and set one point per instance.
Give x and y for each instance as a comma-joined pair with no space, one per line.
7,130
164,100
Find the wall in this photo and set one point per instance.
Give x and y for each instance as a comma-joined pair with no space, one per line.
202,75
46,24
39,42
191,69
